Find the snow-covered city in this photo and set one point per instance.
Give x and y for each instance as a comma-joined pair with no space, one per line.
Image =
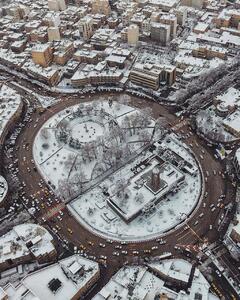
119,149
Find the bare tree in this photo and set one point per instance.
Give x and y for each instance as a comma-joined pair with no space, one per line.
45,133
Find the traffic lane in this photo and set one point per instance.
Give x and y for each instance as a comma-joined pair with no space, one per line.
222,284
42,119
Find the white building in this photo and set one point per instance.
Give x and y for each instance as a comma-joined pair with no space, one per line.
3,189
53,34
26,242
57,5
138,282
160,32
236,161
133,34
86,27
70,278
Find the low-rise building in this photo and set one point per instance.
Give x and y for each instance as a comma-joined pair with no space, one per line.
86,56
69,278
232,237
103,38
10,112
96,74
25,243
48,75
156,281
42,54
227,102
236,163
3,190
160,32
53,34
232,124
86,27
150,75
63,51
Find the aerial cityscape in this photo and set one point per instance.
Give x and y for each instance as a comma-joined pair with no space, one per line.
120,149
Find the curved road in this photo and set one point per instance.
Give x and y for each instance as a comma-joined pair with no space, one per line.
215,186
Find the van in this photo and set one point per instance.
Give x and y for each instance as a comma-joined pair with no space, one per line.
195,223
201,215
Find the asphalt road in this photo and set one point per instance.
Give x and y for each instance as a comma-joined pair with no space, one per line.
78,235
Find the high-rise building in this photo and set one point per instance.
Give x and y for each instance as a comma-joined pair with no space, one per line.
193,3
42,55
57,5
86,27
170,19
160,33
101,7
181,14
133,34
53,34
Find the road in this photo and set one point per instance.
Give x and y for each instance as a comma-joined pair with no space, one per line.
73,233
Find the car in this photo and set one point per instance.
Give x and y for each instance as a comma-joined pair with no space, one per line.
70,230
135,252
82,247
162,242
195,223
90,243
218,273
177,248
102,245
124,252
118,247
103,257
147,251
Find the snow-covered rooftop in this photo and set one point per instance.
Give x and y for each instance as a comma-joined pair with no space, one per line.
138,282
25,239
3,188
231,97
10,102
59,281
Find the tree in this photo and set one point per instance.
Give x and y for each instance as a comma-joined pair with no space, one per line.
63,125
70,160
45,133
139,198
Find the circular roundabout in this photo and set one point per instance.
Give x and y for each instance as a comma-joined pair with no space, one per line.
123,175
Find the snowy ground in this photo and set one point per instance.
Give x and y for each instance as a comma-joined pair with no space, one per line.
3,188
147,285
10,102
211,125
86,173
60,164
92,209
